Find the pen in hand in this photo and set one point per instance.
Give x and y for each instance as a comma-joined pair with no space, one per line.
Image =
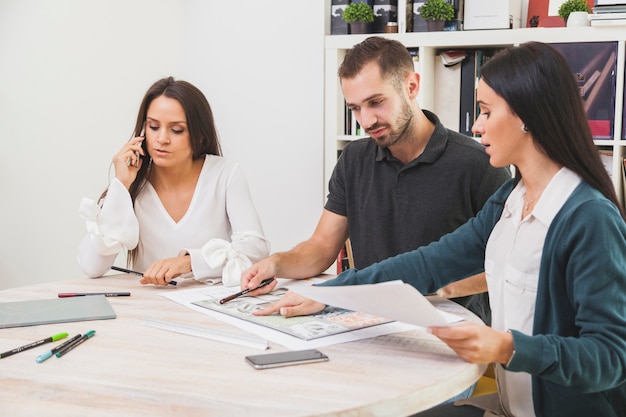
246,291
129,271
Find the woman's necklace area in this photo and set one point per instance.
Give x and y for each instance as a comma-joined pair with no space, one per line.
527,203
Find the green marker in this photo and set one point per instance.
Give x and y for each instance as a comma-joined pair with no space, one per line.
34,344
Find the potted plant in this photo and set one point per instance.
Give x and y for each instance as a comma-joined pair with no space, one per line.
436,13
358,15
571,6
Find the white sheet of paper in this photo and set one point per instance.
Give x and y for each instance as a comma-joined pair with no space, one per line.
393,300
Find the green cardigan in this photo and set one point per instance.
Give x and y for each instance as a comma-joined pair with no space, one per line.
577,352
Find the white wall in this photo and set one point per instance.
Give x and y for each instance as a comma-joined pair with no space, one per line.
72,74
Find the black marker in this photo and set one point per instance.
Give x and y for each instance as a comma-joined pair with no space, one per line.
128,271
244,292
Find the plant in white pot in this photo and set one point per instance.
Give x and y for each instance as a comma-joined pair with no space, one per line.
579,7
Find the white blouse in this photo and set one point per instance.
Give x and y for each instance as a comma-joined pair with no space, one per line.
512,260
221,229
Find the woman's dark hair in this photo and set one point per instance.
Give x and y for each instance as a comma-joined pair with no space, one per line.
539,86
202,132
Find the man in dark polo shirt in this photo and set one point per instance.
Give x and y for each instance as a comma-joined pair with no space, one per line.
407,185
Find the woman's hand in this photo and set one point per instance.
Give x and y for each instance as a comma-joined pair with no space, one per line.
128,161
476,343
290,305
161,272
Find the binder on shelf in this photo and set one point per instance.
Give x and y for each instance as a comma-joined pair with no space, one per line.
468,94
338,26
419,24
447,101
385,11
594,65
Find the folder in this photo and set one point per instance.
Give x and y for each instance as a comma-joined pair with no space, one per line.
55,310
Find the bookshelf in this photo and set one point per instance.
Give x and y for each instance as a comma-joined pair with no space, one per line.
430,43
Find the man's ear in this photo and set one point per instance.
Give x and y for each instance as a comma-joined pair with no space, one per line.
413,84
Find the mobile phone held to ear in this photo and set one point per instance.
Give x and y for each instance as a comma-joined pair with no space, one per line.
294,357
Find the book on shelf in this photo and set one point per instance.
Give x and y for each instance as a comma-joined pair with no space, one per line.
609,3
594,65
608,19
415,55
603,10
385,11
607,16
338,26
606,156
608,22
452,57
457,21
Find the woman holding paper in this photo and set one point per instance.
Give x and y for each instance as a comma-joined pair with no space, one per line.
175,204
552,243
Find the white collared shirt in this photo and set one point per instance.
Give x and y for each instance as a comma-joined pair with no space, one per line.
512,261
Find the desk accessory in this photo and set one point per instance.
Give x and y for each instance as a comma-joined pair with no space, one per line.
49,353
130,271
243,339
83,294
54,338
54,310
78,341
294,357
246,291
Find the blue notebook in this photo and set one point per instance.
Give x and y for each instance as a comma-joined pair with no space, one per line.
55,310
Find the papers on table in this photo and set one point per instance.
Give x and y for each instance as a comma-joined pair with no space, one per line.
393,300
390,296
191,296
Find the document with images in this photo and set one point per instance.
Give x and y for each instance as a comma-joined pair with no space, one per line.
330,321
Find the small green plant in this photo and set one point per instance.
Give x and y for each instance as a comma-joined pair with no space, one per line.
358,12
437,10
573,6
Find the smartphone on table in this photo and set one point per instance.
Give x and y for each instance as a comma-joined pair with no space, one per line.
294,357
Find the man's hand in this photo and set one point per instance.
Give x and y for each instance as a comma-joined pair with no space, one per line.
290,305
252,277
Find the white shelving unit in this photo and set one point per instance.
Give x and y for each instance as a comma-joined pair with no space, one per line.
430,42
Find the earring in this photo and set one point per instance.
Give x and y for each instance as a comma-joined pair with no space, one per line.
524,128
